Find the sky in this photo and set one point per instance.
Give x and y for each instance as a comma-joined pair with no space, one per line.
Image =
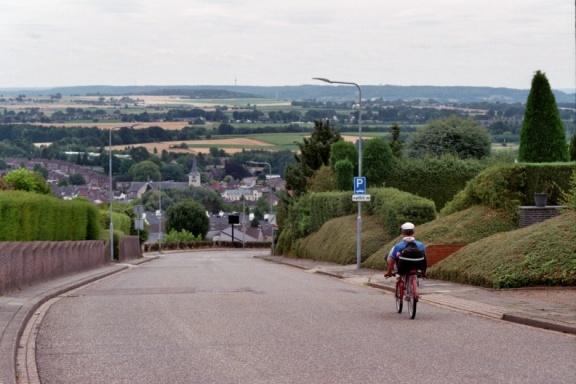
495,43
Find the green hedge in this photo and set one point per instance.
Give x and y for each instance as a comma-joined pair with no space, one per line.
395,207
437,179
121,221
509,186
308,214
328,205
29,216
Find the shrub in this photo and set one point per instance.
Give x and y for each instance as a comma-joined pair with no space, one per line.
32,217
436,178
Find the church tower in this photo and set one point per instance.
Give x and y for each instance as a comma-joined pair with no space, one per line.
194,175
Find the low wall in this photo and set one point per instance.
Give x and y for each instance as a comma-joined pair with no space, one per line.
531,215
23,263
129,248
438,252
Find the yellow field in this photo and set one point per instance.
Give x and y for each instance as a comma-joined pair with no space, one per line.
171,145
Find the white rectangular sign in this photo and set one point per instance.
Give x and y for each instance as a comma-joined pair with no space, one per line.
360,197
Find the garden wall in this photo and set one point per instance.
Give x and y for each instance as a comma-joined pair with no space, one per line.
24,263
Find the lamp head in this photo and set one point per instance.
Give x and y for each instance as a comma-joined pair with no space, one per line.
322,79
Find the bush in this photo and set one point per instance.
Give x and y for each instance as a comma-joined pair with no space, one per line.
394,207
180,237
33,217
508,187
436,178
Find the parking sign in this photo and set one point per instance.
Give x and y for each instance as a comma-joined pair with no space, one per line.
359,185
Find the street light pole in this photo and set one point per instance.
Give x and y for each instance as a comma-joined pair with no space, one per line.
110,194
359,229
269,199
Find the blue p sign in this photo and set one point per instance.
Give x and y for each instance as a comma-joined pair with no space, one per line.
359,185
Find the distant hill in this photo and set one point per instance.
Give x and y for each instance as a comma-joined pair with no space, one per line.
459,94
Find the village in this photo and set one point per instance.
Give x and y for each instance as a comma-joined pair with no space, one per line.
224,226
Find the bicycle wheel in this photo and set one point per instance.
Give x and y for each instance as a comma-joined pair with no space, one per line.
399,294
412,292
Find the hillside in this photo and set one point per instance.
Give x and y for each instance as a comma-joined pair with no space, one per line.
498,255
459,94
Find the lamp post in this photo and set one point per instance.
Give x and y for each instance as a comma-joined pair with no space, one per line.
159,215
110,196
359,230
110,193
269,200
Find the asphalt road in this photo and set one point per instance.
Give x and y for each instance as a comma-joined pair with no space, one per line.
225,317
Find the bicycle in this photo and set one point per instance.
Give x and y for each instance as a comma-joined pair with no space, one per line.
407,290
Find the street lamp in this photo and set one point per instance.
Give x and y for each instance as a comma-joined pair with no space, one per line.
359,234
159,215
110,196
269,198
110,192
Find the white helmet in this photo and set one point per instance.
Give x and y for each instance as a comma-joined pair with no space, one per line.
407,225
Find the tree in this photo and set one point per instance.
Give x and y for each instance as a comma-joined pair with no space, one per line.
377,161
24,180
173,172
344,170
573,148
542,138
323,180
76,179
452,135
314,153
344,150
188,215
396,144
145,171
237,171
139,154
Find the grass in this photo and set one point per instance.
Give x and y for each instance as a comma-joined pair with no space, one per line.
498,255
321,245
541,254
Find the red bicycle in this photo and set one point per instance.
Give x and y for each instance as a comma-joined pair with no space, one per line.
407,290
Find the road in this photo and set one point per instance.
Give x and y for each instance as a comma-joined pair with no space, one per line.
226,317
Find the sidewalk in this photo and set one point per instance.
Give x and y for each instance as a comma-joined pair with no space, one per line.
548,308
18,307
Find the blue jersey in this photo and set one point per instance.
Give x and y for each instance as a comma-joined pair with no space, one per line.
399,247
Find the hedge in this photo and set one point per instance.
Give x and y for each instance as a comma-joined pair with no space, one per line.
27,216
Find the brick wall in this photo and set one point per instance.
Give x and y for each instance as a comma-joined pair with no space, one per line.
531,215
23,263
438,252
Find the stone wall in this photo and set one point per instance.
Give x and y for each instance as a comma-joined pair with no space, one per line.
23,263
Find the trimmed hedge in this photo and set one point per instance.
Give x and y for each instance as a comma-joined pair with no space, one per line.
311,211
29,216
395,207
437,179
509,186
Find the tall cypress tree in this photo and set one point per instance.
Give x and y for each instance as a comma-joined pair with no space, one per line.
542,138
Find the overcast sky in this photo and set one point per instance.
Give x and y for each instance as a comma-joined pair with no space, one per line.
497,43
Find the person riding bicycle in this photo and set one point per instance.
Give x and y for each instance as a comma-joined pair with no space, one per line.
396,251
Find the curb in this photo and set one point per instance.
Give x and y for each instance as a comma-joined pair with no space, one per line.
539,323
9,371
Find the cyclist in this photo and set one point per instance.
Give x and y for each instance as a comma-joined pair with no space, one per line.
408,234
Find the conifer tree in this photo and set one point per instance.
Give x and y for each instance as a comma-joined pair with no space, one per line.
573,148
542,138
